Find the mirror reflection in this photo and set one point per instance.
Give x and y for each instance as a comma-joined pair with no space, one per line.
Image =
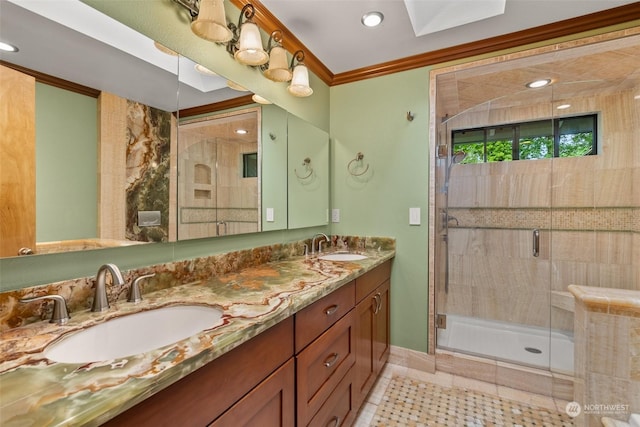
218,175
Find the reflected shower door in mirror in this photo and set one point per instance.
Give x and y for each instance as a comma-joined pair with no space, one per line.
308,174
219,165
69,107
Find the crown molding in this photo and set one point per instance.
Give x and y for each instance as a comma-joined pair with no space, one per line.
606,18
615,16
54,81
217,106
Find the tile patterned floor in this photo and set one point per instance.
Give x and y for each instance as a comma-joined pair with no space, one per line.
404,397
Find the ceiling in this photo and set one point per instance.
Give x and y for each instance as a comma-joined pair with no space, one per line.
337,38
332,30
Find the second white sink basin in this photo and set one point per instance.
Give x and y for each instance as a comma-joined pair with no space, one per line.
134,334
342,256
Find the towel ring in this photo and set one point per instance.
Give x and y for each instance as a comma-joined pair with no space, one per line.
358,158
306,163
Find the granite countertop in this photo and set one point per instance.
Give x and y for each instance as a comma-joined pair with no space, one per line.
38,392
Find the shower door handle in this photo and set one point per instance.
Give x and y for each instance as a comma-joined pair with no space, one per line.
536,242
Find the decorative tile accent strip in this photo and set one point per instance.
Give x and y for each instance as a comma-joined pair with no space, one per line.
408,402
583,219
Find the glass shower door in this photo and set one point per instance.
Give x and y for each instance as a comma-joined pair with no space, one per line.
493,225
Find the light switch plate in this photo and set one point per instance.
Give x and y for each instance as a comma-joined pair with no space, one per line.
414,216
335,215
270,215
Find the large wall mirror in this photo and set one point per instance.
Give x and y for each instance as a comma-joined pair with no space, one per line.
101,96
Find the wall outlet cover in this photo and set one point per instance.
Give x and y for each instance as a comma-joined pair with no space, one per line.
270,215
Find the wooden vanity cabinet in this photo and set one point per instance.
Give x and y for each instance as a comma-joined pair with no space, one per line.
372,328
251,376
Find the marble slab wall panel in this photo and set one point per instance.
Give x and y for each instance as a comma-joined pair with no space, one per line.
148,170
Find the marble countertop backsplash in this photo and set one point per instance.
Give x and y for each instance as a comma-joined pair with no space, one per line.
255,288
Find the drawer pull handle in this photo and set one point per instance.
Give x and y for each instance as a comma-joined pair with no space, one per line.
331,360
377,301
335,421
331,309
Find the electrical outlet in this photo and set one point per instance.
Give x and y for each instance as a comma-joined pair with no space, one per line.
335,215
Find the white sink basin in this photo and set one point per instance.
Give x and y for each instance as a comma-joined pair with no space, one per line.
134,334
342,256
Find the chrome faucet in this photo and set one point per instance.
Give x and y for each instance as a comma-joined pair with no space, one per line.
100,300
313,243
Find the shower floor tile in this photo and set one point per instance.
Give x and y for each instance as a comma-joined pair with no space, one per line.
411,402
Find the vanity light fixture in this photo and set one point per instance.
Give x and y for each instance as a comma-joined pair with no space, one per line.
260,100
7,47
278,68
209,22
372,19
538,83
300,81
247,46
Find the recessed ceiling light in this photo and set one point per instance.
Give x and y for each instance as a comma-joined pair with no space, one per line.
372,19
242,131
563,106
538,83
6,47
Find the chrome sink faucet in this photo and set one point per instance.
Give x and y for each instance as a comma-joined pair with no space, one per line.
100,300
313,243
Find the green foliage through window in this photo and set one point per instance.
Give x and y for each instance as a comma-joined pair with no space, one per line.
541,139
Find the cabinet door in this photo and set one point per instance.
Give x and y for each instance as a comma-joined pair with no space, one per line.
18,154
372,330
270,404
382,327
364,369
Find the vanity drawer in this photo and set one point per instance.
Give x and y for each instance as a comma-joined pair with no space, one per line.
319,316
366,283
339,408
322,365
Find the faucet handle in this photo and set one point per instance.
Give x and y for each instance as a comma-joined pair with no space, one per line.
60,312
134,291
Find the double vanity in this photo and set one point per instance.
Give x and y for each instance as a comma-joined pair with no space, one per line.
296,340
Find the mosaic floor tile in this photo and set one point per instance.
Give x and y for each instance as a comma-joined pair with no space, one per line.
408,402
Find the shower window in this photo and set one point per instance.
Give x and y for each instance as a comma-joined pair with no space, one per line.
540,139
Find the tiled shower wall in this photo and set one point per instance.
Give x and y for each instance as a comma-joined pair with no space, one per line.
587,209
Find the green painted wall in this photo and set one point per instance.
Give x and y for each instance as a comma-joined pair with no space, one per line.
66,158
370,117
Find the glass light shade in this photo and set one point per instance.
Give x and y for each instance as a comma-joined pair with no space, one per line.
235,86
211,23
250,51
278,67
300,82
162,48
260,100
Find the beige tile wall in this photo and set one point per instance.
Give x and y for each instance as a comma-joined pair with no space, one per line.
592,204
